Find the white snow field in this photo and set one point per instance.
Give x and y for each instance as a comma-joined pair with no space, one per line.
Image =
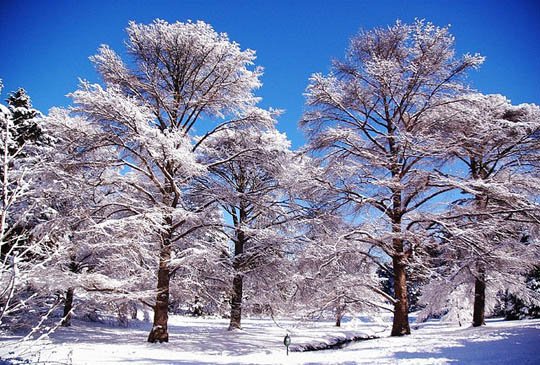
207,341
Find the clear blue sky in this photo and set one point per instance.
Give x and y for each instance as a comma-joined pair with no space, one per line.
45,45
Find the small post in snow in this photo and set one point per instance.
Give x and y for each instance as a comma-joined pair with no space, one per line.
287,342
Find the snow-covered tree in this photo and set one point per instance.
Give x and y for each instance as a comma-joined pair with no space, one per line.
181,75
246,168
336,274
20,134
68,180
101,261
9,197
488,234
365,122
20,209
25,126
517,306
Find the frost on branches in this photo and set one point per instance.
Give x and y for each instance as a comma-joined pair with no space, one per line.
166,186
182,75
86,268
366,122
22,209
247,177
337,274
487,241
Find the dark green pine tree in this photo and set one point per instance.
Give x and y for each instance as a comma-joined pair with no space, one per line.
23,131
25,128
515,307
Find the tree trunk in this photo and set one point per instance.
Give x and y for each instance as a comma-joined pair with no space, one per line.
134,311
340,312
236,303
159,331
400,325
68,307
479,306
479,298
238,281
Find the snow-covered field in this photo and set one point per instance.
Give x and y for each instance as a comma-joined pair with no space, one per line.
206,341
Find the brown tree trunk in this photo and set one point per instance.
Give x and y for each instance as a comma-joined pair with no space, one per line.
340,311
479,299
238,281
159,331
236,303
400,326
479,305
68,307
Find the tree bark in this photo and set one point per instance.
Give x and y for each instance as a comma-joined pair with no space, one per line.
159,332
479,298
68,307
238,281
236,303
479,305
400,326
340,311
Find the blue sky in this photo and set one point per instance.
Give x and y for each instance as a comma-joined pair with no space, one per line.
45,45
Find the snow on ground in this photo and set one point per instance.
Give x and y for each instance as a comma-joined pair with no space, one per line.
206,341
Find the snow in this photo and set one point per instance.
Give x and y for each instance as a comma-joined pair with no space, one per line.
206,341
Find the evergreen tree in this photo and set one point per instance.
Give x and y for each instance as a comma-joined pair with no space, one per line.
25,127
519,306
21,206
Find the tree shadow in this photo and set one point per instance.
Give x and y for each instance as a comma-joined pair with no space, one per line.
498,348
201,337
